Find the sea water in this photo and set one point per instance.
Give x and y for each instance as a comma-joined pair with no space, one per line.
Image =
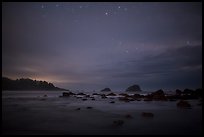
44,112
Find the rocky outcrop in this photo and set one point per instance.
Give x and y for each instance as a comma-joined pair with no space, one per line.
27,84
106,89
133,88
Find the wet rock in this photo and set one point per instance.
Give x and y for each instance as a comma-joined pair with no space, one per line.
183,104
111,94
118,122
147,114
81,93
78,109
178,92
67,94
45,95
128,116
103,96
89,107
112,102
95,94
87,96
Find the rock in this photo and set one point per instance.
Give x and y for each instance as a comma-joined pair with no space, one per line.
81,93
84,99
112,102
103,96
93,99
89,107
178,92
147,114
128,116
159,95
87,96
183,104
124,99
78,108
106,89
133,88
111,94
95,94
118,122
67,94
45,95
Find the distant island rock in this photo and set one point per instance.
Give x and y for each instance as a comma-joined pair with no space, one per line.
133,88
27,84
106,89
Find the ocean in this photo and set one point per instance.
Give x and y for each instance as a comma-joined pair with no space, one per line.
45,113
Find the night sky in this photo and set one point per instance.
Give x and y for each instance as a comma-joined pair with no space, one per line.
91,46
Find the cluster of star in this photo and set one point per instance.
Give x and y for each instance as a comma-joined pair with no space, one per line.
106,12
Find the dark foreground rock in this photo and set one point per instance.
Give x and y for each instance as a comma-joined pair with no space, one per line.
183,104
147,114
118,123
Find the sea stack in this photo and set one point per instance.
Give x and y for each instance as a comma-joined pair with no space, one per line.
106,89
133,88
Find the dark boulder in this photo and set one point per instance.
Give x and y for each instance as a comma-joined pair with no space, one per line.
147,114
81,93
111,94
112,102
183,104
106,89
133,88
128,116
118,122
67,94
159,95
103,96
89,107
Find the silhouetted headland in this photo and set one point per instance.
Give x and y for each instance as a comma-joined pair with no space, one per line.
27,84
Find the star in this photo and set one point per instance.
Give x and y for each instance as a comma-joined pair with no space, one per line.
187,42
120,43
80,7
57,5
118,7
42,6
106,13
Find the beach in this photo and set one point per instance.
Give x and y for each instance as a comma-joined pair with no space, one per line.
37,114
